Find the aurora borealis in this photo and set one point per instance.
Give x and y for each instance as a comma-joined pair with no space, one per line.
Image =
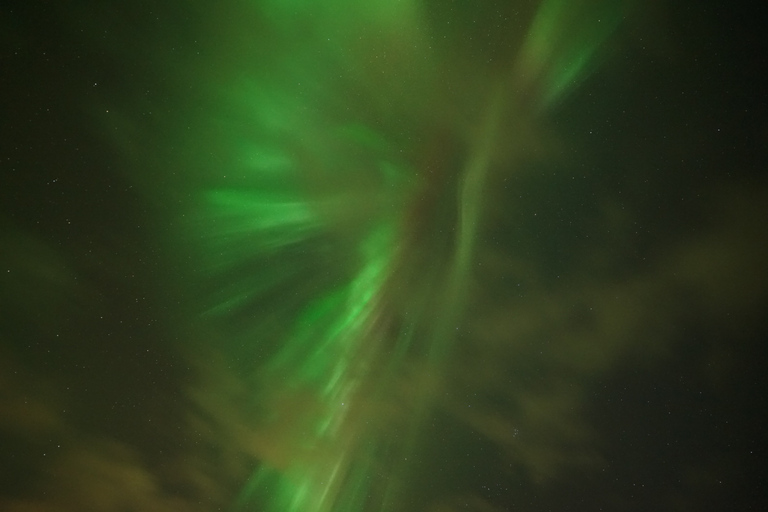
387,256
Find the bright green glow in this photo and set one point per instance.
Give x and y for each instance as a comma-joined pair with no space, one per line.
261,212
325,221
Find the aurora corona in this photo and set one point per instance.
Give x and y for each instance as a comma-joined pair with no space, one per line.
342,228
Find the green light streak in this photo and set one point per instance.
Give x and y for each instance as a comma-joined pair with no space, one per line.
562,43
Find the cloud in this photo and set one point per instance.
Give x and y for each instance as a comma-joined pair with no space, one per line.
64,466
529,365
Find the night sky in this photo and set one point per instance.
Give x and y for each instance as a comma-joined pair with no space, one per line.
303,256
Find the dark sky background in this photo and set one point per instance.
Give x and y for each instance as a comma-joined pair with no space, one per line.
613,356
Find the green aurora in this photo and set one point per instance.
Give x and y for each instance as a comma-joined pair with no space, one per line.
381,231
392,255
